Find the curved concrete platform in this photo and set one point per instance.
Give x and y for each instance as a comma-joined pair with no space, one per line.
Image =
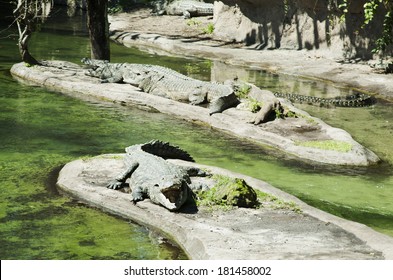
264,233
283,134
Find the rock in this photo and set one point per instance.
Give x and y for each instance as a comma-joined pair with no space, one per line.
240,233
231,25
297,25
278,135
234,192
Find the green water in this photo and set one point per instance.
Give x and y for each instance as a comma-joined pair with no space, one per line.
40,131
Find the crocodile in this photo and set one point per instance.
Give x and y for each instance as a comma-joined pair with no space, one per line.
352,100
185,8
152,176
165,82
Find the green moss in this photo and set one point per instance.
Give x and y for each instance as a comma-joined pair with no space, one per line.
243,90
333,145
227,193
208,29
230,192
254,105
270,201
193,22
279,113
288,113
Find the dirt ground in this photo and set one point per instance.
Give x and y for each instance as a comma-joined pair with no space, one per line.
142,20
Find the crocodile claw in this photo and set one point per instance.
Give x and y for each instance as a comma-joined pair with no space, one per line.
115,185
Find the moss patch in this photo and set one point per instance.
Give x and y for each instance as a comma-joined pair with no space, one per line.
332,145
243,90
228,192
254,105
270,201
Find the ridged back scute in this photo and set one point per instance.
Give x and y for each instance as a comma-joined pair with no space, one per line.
166,150
94,62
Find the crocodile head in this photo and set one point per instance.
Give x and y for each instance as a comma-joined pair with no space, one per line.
135,76
170,192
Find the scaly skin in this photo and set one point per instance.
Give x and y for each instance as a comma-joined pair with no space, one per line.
188,8
151,176
165,82
355,100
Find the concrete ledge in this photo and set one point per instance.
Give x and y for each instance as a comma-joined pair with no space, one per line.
69,78
240,233
311,64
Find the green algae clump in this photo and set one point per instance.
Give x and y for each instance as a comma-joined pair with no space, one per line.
229,192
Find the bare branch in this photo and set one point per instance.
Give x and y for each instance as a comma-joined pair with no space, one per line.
28,13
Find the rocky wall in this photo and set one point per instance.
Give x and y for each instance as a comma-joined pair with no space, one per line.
297,24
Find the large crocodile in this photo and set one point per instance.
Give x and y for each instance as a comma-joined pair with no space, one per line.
165,82
185,8
353,100
152,176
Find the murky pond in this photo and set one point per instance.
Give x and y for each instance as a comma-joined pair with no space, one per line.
41,130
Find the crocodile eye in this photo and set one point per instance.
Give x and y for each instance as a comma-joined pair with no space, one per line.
156,185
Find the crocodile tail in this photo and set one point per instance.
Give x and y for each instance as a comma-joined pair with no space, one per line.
166,150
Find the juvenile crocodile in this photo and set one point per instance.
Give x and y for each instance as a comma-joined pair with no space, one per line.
151,176
165,82
353,100
185,8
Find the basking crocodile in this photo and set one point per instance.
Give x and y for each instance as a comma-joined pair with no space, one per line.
165,82
151,176
185,8
353,100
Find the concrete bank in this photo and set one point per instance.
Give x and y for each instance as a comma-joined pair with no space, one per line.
309,64
264,233
283,134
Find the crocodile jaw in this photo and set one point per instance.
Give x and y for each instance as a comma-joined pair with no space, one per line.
172,197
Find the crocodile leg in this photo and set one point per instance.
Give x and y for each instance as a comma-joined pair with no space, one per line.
119,181
117,78
186,14
195,171
222,103
197,96
137,195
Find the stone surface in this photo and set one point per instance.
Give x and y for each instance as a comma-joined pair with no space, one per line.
297,25
172,35
234,192
241,233
280,134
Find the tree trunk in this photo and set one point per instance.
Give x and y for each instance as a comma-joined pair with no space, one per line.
23,44
97,23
